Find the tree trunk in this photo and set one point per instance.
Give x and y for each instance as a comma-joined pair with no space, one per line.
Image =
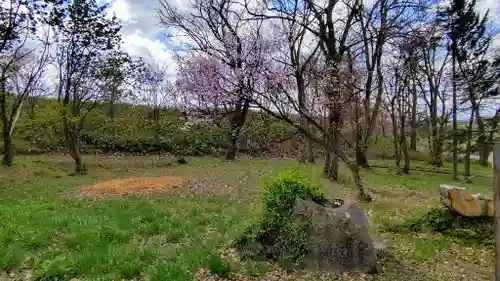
6,130
483,152
403,145
468,149
493,124
435,134
331,167
31,107
233,143
74,149
377,136
156,129
406,155
481,139
80,168
8,153
397,154
334,162
414,123
75,153
437,150
303,142
74,146
326,165
454,110
360,147
361,159
362,195
237,122
112,118
310,152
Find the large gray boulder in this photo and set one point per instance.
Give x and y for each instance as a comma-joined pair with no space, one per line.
338,239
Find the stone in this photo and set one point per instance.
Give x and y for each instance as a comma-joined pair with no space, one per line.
338,238
379,243
181,160
465,203
444,194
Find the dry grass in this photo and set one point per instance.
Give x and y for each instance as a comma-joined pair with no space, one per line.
141,185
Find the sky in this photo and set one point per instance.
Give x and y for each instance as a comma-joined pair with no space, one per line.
144,37
142,34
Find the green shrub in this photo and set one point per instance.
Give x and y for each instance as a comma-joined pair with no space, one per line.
469,230
218,266
277,236
131,131
280,193
57,269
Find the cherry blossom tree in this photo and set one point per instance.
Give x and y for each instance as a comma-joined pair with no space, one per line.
223,47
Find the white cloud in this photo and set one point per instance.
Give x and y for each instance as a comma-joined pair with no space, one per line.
494,9
121,9
141,33
151,50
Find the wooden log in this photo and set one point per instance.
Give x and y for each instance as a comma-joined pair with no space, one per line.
463,202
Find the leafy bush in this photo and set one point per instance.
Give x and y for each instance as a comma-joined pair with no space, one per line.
218,266
131,131
469,230
57,269
280,193
277,236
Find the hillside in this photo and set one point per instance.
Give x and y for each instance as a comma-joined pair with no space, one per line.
132,131
39,131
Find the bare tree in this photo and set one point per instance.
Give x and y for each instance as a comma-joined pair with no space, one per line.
118,73
399,104
83,39
434,57
301,61
379,24
156,87
40,89
334,33
23,56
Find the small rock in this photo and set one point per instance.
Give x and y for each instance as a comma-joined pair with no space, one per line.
181,160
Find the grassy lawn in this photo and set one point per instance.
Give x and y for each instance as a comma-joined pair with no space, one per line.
47,232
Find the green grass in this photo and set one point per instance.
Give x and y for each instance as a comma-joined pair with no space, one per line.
50,233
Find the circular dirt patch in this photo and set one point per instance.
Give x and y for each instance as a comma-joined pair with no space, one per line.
142,185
